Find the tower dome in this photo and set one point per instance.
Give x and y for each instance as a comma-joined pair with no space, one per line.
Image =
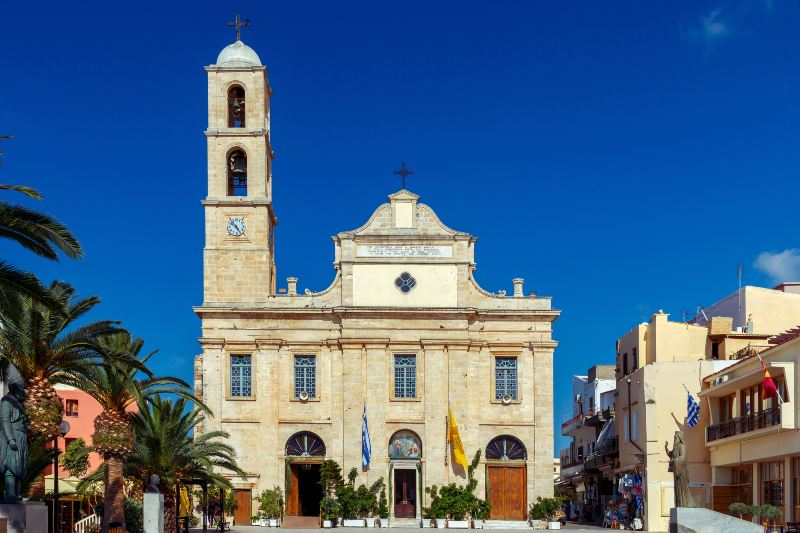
238,54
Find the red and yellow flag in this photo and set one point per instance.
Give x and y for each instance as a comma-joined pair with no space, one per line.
459,455
768,387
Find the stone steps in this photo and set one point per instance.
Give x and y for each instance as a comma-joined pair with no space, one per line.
506,524
404,522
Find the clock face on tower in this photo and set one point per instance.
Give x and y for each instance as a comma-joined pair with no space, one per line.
235,226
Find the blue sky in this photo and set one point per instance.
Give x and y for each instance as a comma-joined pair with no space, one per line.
620,156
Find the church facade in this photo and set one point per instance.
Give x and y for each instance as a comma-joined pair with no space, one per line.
402,332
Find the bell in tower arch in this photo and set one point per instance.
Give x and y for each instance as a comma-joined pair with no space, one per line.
237,174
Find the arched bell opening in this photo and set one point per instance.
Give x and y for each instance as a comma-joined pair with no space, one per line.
237,173
236,107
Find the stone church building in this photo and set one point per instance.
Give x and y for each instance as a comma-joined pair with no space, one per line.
403,329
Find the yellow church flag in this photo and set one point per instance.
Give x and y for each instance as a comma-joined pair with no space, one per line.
459,455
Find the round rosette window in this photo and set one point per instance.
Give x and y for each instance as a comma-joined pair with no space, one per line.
405,282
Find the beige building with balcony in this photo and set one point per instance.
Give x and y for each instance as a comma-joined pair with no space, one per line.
753,443
402,331
660,360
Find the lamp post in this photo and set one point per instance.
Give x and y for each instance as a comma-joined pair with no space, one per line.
63,429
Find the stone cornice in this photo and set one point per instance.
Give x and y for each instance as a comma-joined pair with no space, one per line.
236,132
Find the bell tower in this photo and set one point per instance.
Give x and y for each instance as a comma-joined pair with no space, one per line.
238,259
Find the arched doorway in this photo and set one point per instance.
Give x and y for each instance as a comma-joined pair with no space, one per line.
405,456
506,476
304,454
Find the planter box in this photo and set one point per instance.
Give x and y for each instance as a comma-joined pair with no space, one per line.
554,525
425,523
384,522
458,524
538,524
477,524
370,522
440,523
327,523
353,523
274,522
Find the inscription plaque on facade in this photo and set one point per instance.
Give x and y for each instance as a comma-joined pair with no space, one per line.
403,250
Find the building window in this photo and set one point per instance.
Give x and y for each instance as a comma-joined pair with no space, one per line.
241,376
305,375
634,425
405,282
71,407
505,377
236,114
772,484
726,408
405,376
635,353
742,484
715,350
237,173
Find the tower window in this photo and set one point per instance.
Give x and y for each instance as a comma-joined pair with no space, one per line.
236,109
237,173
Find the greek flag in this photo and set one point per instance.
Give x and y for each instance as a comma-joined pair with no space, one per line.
366,445
693,415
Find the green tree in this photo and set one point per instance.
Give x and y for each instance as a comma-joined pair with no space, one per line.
75,458
44,346
40,233
166,444
117,386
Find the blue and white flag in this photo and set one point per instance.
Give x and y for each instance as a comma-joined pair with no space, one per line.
693,414
366,445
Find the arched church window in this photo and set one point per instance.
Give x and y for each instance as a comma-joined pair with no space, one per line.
237,173
305,444
236,109
506,448
405,445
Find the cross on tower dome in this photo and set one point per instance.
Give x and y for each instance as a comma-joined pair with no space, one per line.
238,24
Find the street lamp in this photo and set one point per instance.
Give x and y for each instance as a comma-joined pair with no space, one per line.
63,429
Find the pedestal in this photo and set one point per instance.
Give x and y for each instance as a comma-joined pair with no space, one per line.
24,517
153,512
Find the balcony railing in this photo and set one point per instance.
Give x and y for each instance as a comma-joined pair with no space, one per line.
602,454
743,424
576,421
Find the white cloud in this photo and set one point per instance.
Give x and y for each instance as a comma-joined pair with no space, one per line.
781,266
714,25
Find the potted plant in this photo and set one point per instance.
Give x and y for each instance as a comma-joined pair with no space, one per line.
767,514
383,506
329,511
546,509
456,503
271,506
351,501
741,509
256,520
230,505
480,514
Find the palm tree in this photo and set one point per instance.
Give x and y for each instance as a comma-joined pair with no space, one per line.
43,347
166,445
39,233
117,389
